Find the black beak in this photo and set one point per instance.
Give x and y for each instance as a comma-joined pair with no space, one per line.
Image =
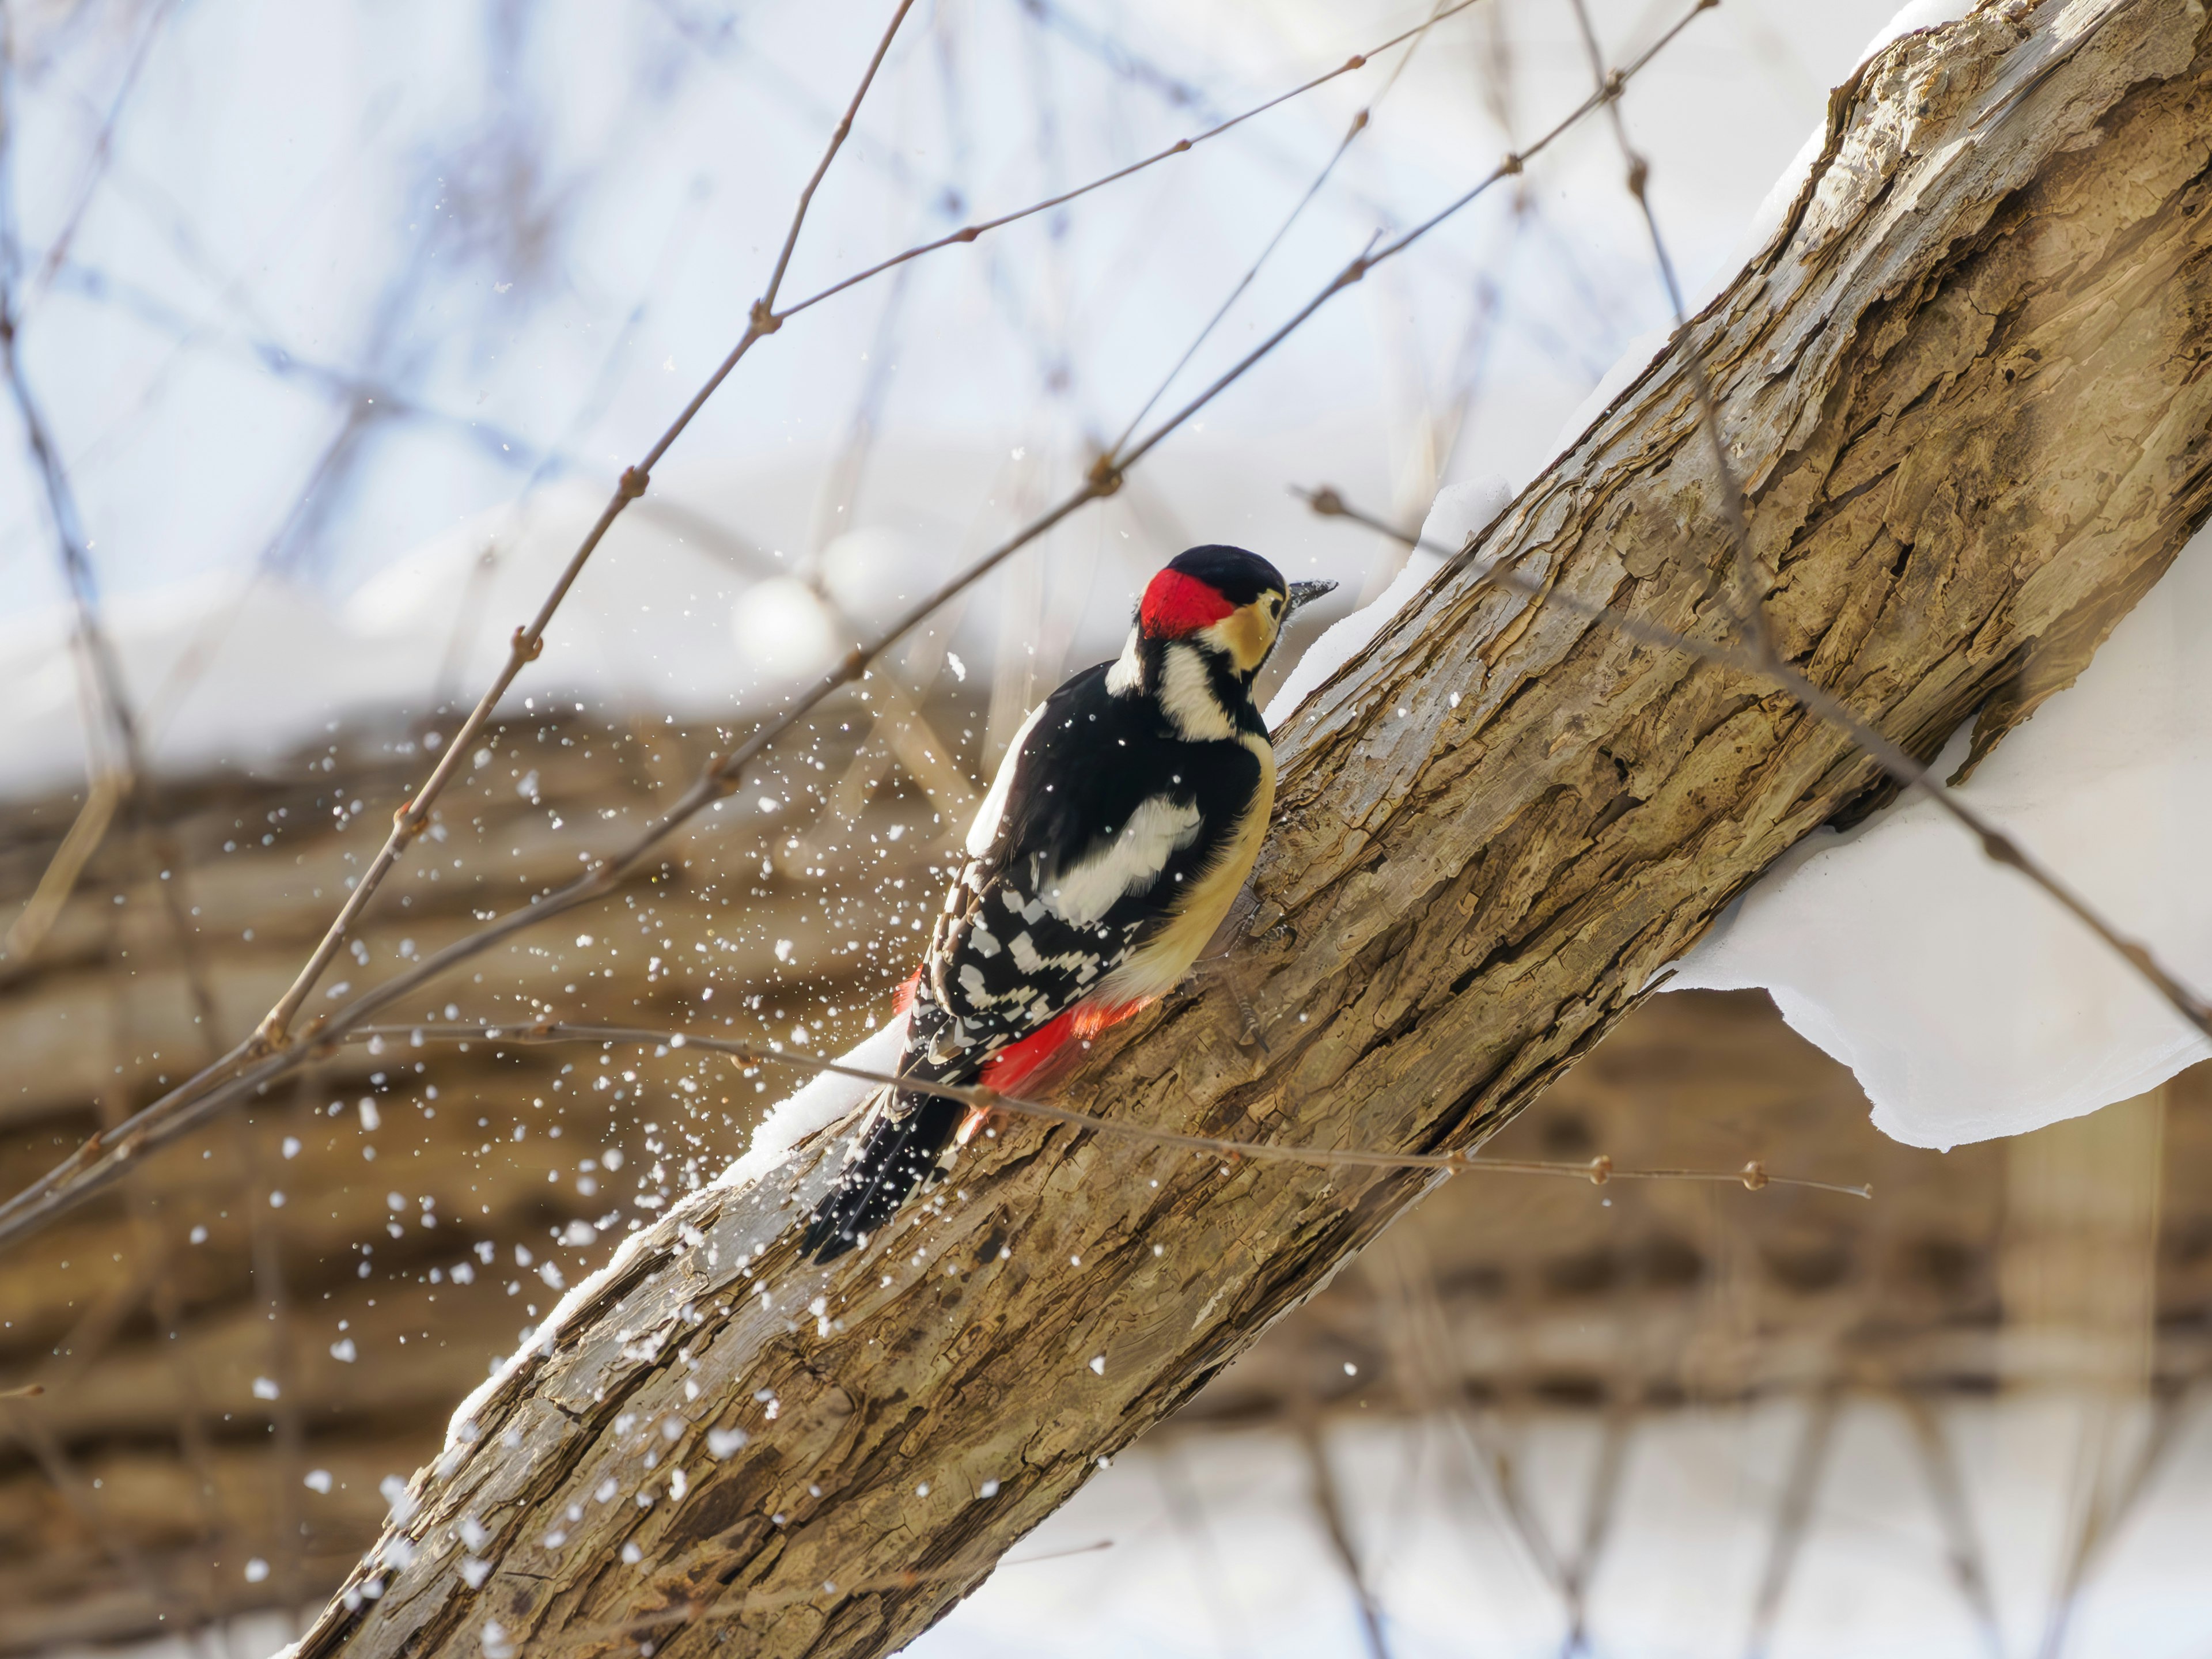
1305,593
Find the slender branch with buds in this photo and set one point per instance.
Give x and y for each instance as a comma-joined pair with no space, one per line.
529,639
104,1158
1596,1170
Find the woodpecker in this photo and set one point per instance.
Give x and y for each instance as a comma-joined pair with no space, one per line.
1125,818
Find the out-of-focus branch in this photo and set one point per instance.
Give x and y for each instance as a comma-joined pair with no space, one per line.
85,831
113,717
1597,1171
98,1161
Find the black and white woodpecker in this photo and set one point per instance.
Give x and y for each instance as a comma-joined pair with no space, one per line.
1124,819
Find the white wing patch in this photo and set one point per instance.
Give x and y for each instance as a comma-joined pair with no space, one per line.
1167,955
993,812
1130,862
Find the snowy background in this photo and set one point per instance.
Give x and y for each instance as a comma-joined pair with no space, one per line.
311,355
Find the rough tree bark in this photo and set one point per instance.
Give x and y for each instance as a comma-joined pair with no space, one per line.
1964,387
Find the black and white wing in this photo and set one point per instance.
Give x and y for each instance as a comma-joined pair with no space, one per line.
1071,865
1097,812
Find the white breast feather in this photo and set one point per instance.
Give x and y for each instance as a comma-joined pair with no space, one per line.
1132,861
1187,696
993,812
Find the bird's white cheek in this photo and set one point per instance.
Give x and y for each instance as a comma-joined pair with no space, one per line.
1187,696
1126,676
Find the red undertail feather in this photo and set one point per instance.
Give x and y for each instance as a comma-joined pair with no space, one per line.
1016,1063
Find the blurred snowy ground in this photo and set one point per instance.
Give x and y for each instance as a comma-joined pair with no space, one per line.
1214,1548
1217,1548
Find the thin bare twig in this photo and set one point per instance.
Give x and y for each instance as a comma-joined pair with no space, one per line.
1328,1506
969,233
99,1160
103,142
101,669
1597,1171
461,636
1113,54
765,319
1793,1518
1359,125
1997,845
104,676
1510,166
529,639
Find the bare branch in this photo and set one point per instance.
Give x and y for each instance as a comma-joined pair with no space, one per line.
1368,259
97,1162
1597,1171
1182,146
530,639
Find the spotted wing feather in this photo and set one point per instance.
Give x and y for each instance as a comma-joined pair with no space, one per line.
1099,808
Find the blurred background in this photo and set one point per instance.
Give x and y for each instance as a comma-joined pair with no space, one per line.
337,323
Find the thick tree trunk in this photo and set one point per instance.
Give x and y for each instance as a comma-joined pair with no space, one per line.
1964,388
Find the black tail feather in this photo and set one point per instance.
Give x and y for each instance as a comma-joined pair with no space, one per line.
900,1147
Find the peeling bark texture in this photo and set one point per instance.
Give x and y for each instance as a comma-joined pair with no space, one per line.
1964,388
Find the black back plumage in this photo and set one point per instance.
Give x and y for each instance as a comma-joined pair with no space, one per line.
1002,961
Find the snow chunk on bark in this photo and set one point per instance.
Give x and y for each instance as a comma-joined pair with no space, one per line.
1965,1002
820,1102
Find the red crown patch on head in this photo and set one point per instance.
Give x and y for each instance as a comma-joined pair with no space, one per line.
1177,604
